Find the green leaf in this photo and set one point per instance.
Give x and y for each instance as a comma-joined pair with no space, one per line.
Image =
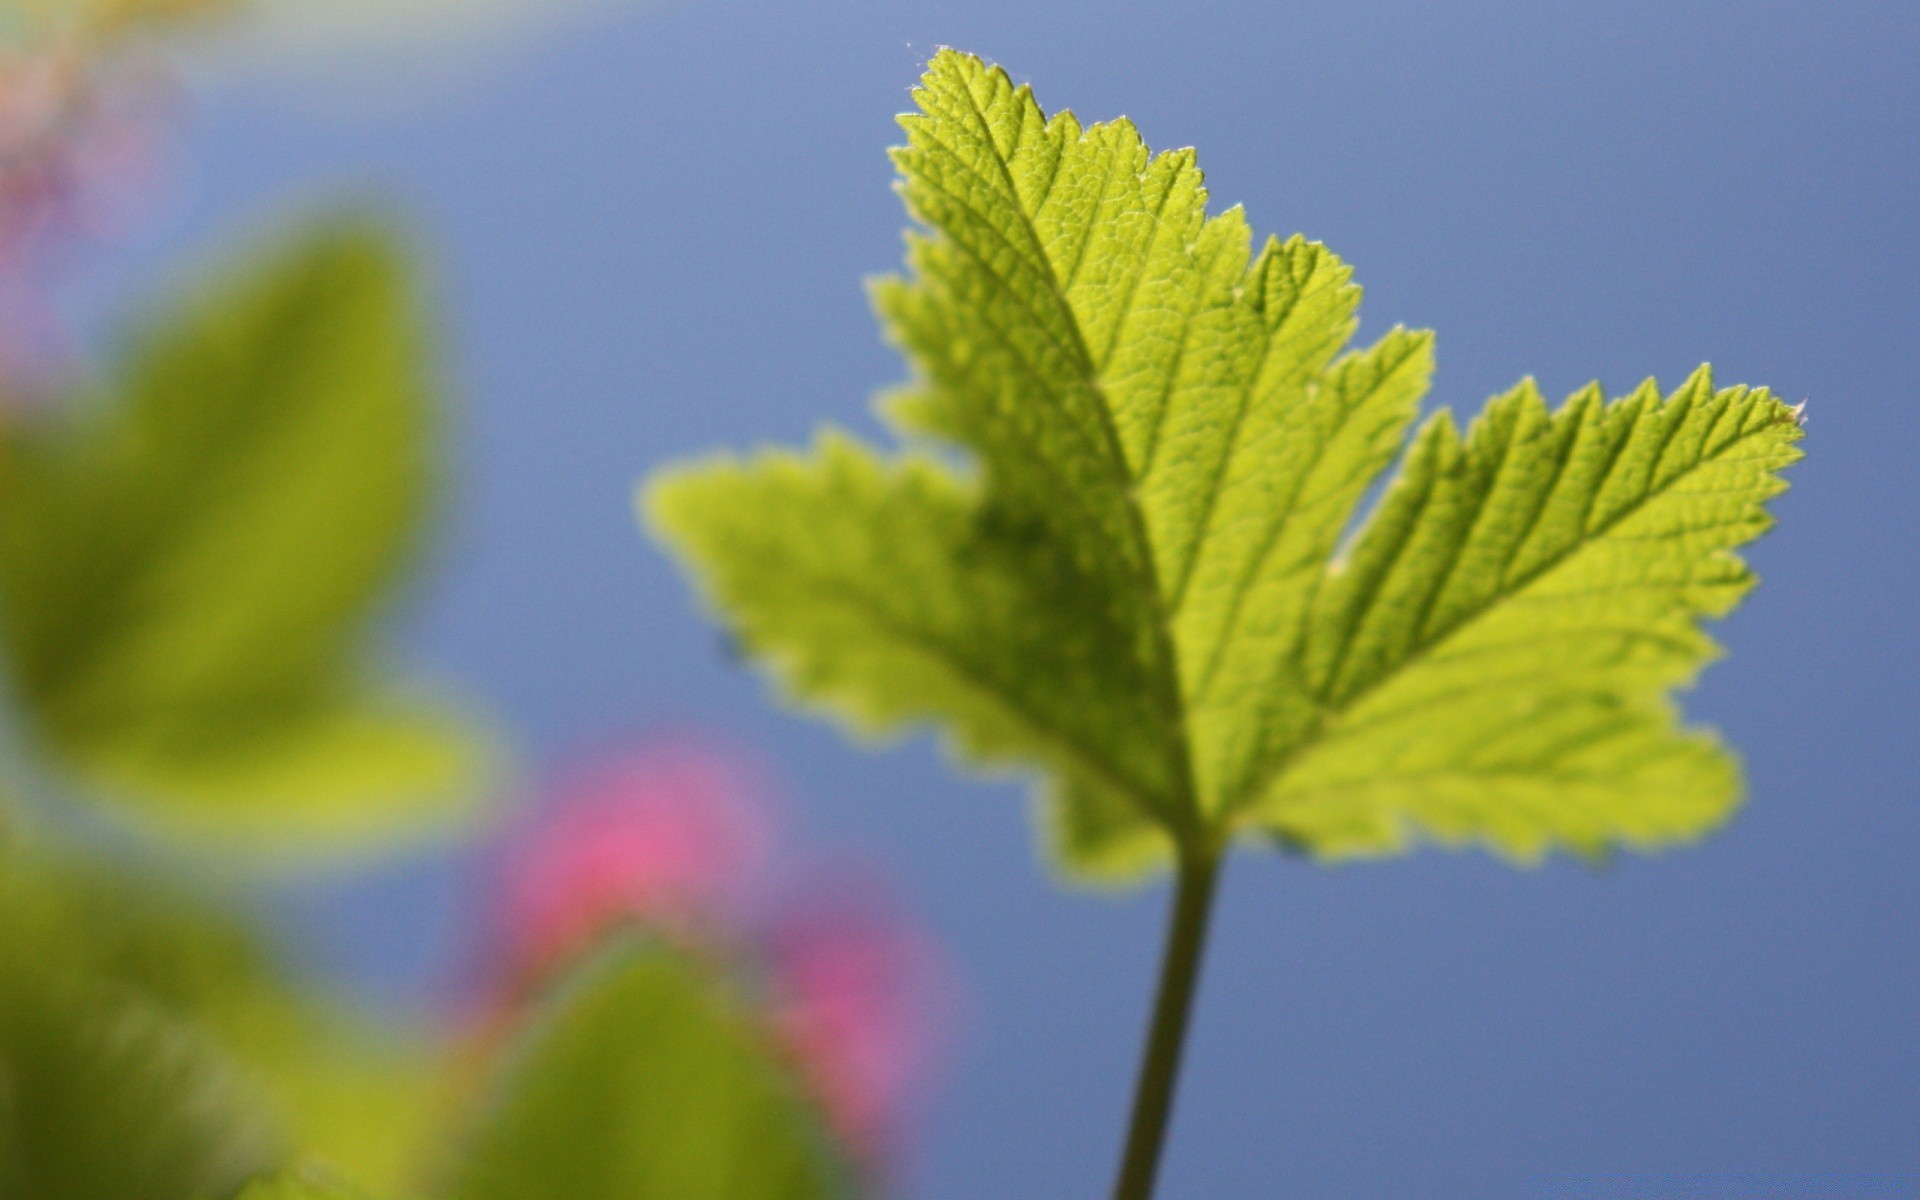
647,1080
104,1097
1136,583
333,1087
299,1184
189,563
348,1093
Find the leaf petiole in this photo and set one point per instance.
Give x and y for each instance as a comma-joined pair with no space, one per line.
1197,881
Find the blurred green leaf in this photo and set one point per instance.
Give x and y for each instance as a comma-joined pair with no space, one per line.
332,1087
348,1094
648,1080
189,564
299,1184
103,1096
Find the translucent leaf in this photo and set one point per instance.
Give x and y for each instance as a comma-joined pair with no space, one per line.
1493,658
648,1081
189,563
1135,582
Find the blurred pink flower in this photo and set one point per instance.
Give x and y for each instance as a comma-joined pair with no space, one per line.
677,839
77,144
667,837
857,996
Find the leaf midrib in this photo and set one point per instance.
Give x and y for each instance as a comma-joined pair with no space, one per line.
1185,808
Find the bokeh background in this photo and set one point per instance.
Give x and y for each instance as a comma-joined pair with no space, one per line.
649,224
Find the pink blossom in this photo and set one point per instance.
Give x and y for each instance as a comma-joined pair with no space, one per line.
676,839
857,997
669,837
76,145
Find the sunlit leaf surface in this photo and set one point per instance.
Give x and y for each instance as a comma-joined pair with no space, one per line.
1138,585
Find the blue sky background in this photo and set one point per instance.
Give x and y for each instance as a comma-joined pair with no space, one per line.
651,229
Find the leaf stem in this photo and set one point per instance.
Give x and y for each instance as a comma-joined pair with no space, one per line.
1198,880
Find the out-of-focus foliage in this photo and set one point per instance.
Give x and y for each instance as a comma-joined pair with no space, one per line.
191,555
319,1079
105,1095
189,561
195,547
666,1078
102,22
676,839
297,28
299,1184
648,1079
1140,587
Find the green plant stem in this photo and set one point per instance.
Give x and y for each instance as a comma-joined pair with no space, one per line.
1198,879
